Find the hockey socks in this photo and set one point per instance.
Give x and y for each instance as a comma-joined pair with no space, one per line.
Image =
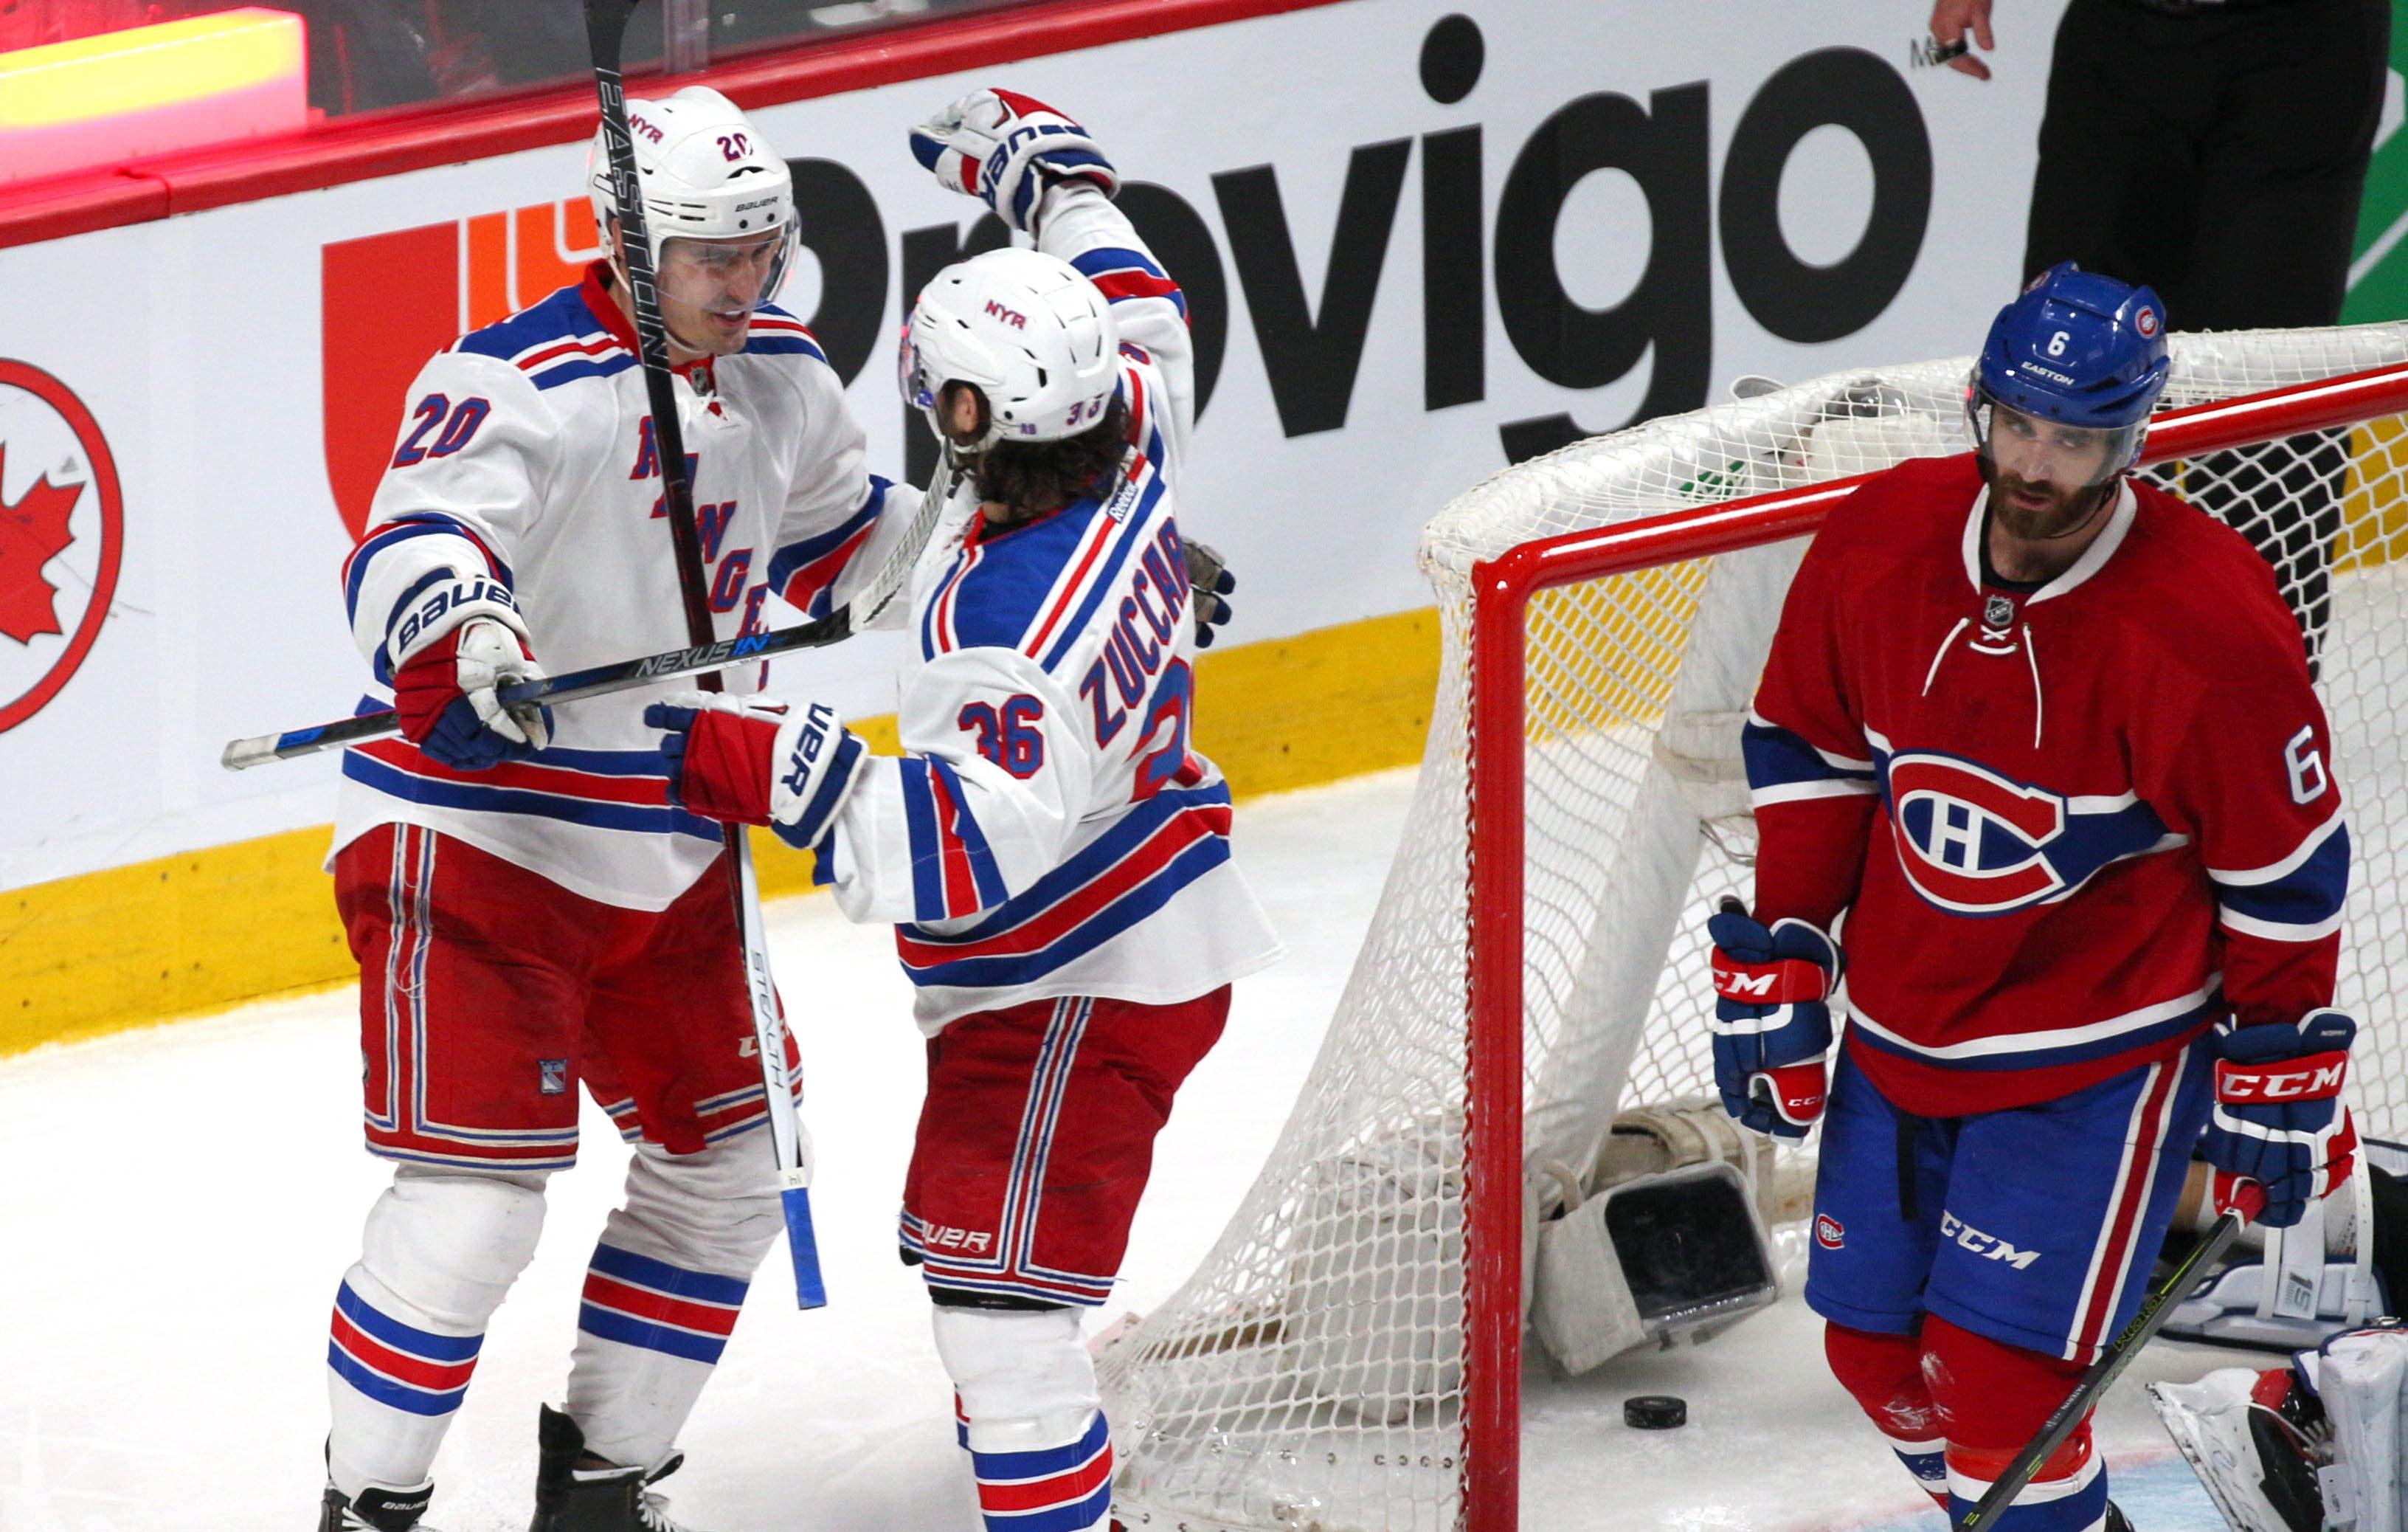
1051,1489
2068,1494
395,1382
1884,1374
649,1334
1031,1417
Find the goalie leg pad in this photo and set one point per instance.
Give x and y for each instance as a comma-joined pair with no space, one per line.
2360,1378
1992,1398
662,1293
1884,1373
1033,1419
439,1253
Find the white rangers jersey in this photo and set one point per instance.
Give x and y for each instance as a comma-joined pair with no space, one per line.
527,459
1050,832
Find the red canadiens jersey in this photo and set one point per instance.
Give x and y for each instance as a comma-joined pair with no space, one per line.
2071,828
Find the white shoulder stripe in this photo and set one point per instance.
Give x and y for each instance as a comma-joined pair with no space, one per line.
2275,930
2027,1042
2273,871
1793,792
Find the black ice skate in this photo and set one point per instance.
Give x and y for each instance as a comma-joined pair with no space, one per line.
377,1510
595,1496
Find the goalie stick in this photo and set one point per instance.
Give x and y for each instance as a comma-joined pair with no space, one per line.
606,22
2155,1311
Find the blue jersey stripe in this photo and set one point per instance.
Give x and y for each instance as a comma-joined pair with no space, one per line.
927,853
567,371
1777,757
1134,829
2309,894
1107,923
1131,535
638,817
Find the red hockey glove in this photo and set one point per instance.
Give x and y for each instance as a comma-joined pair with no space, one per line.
753,761
445,696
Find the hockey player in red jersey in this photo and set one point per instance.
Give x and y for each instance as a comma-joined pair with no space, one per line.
530,910
1054,856
2038,766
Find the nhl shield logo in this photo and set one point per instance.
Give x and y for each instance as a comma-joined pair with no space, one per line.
1998,612
62,537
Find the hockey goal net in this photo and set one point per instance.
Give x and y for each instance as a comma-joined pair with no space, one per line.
1348,1358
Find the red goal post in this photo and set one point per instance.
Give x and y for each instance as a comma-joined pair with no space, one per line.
1503,588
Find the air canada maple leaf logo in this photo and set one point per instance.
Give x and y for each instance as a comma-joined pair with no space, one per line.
32,531
62,538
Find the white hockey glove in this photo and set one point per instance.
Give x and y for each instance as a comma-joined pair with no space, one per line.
452,649
1005,149
749,760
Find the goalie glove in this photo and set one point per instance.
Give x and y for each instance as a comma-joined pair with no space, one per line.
444,696
1772,1019
1209,583
748,760
2279,1120
1005,149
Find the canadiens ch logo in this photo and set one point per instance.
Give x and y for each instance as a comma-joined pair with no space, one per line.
1970,840
1828,1232
61,536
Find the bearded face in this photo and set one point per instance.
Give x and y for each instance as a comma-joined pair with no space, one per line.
2046,478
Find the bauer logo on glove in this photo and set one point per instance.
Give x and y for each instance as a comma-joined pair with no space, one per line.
1005,149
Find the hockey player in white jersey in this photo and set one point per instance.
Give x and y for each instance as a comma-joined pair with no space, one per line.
1054,856
530,909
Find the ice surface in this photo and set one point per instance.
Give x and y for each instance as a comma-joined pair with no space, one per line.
178,1205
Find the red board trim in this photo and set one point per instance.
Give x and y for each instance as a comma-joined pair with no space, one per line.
452,135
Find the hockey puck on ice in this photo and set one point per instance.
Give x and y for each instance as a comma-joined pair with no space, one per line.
1655,1411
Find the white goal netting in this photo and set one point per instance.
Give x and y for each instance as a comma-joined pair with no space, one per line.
1309,1378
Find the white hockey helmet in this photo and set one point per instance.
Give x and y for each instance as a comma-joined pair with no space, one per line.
1028,332
705,174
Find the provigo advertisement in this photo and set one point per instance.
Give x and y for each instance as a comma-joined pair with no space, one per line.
1418,241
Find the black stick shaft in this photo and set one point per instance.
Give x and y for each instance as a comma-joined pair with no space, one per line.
2155,1311
567,687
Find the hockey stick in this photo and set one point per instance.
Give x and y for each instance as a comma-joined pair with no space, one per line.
605,23
2155,1310
620,674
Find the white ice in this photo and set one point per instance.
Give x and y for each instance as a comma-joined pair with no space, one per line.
177,1204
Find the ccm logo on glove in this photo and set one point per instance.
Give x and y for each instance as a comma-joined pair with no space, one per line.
2312,1079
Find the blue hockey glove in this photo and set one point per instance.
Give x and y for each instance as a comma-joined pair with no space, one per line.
1772,1019
1210,583
2279,1120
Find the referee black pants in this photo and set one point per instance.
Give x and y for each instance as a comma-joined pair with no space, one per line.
2220,157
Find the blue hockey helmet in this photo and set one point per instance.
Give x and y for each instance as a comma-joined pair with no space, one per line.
2078,351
